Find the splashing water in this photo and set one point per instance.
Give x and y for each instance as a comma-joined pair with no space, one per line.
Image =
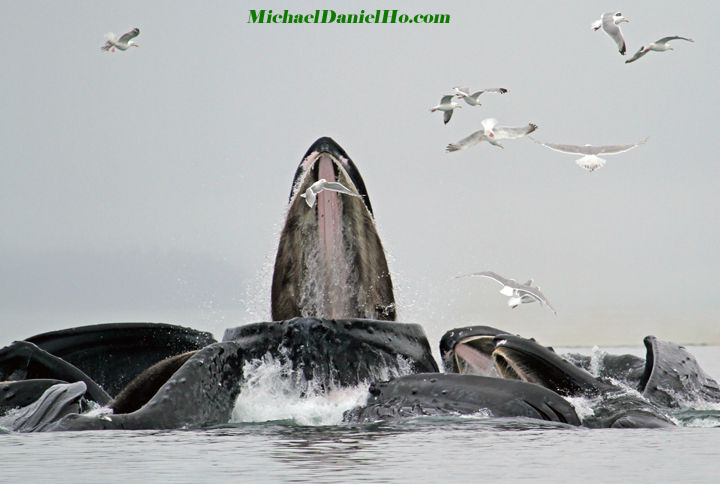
273,391
596,361
583,406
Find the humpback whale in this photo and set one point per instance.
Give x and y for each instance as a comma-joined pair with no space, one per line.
450,394
345,352
330,262
334,324
198,388
56,402
16,394
332,305
468,350
613,407
115,353
673,376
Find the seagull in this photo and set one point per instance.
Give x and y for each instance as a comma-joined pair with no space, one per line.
446,105
123,43
610,24
472,99
591,161
518,293
491,133
322,184
658,46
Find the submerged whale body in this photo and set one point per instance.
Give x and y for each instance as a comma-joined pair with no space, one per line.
451,394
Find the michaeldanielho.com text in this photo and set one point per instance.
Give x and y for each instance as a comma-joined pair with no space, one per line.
330,16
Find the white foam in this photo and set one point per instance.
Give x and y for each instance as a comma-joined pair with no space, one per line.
583,406
273,392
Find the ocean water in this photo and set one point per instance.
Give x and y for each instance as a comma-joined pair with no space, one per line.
277,435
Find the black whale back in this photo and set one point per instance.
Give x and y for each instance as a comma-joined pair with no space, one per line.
113,354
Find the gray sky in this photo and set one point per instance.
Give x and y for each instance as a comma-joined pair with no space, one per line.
151,184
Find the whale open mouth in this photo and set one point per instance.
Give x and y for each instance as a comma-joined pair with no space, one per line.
509,365
330,260
473,356
524,359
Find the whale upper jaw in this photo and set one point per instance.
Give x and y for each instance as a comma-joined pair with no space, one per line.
326,148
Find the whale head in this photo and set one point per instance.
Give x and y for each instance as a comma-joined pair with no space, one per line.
330,261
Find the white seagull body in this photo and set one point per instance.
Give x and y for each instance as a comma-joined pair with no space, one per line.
472,99
311,193
590,161
610,24
658,46
518,293
491,133
123,43
447,105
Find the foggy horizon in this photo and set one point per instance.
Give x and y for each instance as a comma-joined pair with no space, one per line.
151,185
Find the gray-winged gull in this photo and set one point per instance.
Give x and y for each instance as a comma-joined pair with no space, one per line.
310,194
447,105
518,293
658,46
491,133
591,161
472,99
123,43
609,23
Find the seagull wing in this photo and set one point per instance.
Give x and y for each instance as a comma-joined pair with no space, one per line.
590,150
473,139
616,149
447,115
613,30
124,38
499,90
535,293
641,52
507,132
665,40
447,99
339,187
492,275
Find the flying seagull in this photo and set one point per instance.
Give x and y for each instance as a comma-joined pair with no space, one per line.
590,161
472,99
610,24
123,43
446,106
491,133
311,193
518,293
658,46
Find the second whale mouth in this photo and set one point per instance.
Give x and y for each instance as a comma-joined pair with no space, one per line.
473,355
